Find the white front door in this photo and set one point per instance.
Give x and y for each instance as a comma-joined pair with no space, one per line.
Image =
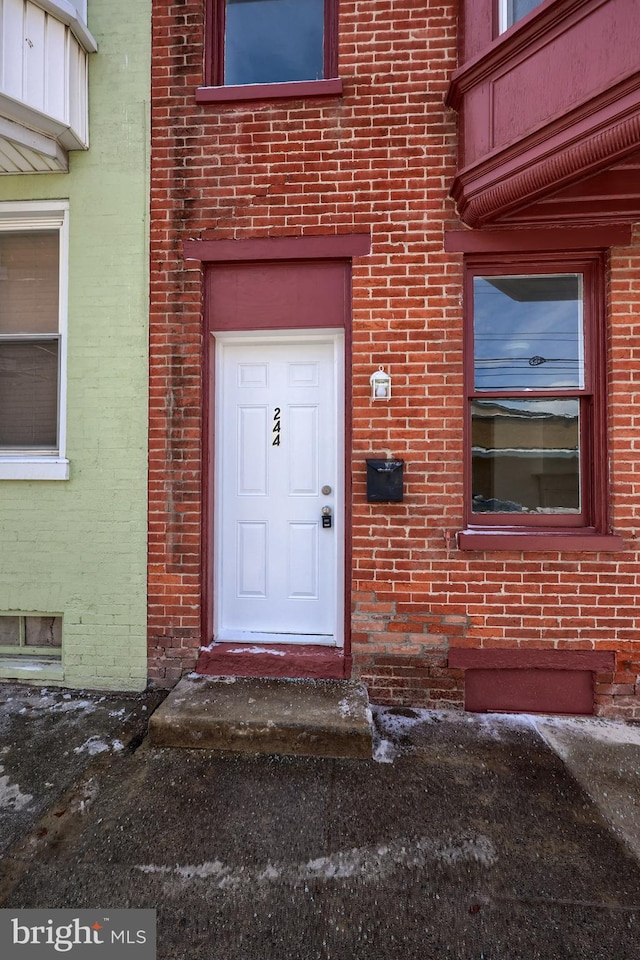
278,466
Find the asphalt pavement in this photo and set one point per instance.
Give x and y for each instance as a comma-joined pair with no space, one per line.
467,836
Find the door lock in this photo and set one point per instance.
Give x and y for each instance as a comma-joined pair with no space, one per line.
326,518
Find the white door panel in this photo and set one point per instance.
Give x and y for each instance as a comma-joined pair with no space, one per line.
278,569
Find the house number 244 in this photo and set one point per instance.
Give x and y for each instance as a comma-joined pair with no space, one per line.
276,428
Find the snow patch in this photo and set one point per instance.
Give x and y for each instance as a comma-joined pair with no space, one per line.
205,678
11,797
69,706
369,863
346,707
94,745
384,751
273,653
606,731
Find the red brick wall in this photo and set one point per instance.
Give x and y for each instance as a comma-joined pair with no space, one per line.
380,158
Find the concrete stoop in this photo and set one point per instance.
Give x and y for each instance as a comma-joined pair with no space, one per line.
319,718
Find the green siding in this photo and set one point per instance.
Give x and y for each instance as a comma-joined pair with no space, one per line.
78,547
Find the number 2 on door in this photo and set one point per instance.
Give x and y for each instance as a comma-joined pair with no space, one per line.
276,427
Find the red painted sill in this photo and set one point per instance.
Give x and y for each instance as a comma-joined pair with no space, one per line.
527,541
270,91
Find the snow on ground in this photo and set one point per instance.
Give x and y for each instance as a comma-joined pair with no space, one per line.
11,797
606,731
95,745
369,863
273,653
391,728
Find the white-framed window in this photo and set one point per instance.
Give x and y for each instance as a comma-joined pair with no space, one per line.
33,324
510,11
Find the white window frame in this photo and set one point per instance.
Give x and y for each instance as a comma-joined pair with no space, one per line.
27,217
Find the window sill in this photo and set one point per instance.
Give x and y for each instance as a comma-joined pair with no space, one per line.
33,468
30,668
270,91
528,541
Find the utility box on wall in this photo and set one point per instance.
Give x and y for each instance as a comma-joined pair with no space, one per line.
385,481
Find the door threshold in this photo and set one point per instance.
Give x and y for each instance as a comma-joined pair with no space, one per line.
292,660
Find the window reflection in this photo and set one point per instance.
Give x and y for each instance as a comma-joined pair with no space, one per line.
528,332
273,41
525,456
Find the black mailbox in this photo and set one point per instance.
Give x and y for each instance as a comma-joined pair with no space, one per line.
384,481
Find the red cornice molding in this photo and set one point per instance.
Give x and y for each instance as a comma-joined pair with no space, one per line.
539,165
336,247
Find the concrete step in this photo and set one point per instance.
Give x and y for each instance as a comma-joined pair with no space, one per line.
319,718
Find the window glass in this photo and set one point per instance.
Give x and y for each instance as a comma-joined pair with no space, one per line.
525,456
28,394
9,631
528,333
29,341
514,10
43,631
31,635
29,282
273,41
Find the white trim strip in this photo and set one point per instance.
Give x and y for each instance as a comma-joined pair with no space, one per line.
34,469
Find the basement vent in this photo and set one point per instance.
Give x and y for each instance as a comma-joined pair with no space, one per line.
31,635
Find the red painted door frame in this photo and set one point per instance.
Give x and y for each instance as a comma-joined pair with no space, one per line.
306,253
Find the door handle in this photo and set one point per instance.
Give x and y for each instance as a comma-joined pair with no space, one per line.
326,518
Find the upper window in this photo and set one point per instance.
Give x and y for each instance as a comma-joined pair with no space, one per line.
535,389
32,308
513,10
273,41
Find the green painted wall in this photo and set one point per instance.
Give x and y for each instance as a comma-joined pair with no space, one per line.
78,547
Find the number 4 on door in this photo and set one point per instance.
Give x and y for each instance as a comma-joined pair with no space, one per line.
276,427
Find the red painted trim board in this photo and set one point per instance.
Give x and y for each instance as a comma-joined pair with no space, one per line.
293,661
598,661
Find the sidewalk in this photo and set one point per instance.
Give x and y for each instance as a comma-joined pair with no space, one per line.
468,836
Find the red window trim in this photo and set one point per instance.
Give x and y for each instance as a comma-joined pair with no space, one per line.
214,62
548,532
270,91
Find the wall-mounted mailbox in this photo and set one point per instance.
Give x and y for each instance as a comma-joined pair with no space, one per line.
385,481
